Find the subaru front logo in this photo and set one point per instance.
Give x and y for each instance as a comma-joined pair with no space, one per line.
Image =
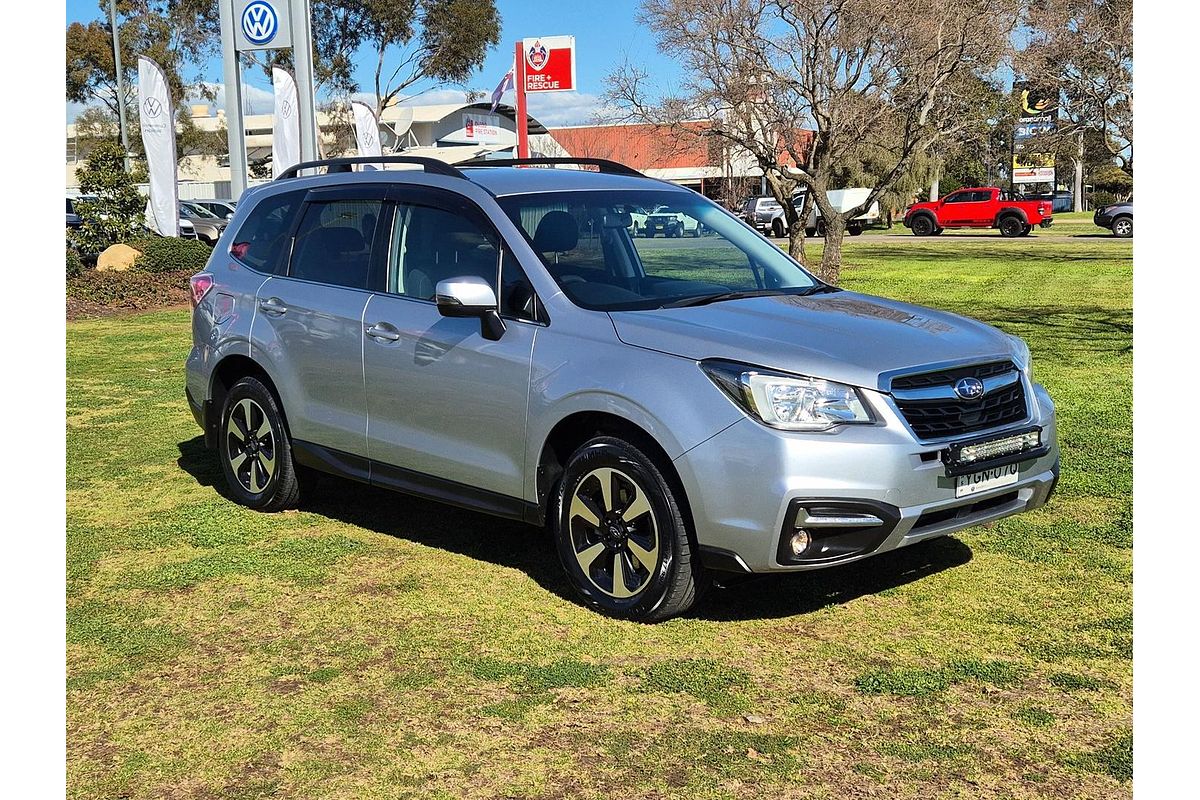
969,388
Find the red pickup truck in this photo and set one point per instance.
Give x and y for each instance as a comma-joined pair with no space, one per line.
984,207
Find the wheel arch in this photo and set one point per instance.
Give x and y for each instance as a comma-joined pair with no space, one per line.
923,213
1010,212
578,427
228,371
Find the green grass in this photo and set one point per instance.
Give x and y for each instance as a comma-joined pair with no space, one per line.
372,645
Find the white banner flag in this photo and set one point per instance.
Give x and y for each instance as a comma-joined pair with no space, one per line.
157,116
285,132
366,130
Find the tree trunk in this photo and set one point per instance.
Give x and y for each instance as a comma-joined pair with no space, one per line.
831,259
935,186
1079,175
796,230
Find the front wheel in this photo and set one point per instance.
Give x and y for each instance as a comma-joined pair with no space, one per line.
621,535
1122,227
255,451
636,229
922,226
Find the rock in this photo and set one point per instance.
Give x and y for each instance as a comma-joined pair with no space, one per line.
754,719
117,258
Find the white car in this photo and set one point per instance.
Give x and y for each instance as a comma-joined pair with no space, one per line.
671,222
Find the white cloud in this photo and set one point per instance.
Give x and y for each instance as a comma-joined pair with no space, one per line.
565,108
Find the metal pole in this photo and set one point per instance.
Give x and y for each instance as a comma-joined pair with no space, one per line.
305,88
522,115
116,38
233,103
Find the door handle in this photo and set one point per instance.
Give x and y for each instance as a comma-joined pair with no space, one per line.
272,305
383,332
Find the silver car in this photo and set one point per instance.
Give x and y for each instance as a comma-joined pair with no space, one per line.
493,337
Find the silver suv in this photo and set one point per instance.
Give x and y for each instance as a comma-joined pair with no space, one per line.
492,336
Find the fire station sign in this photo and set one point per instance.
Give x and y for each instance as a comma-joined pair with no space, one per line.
549,64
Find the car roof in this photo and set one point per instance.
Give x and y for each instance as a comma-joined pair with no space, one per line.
498,181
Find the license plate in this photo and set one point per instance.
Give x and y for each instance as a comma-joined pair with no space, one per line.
976,482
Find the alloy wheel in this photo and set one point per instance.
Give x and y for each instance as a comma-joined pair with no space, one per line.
613,532
251,445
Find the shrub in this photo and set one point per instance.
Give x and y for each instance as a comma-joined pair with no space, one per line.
117,210
131,290
169,254
74,263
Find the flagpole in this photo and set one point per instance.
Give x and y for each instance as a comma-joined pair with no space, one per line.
522,116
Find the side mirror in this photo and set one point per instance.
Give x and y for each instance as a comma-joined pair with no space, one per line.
470,296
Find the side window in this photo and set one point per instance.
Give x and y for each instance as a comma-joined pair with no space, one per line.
431,244
981,197
262,240
959,197
333,242
516,292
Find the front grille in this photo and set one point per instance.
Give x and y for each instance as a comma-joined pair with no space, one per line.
935,419
947,377
932,518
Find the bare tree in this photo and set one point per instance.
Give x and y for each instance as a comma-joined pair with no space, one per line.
801,88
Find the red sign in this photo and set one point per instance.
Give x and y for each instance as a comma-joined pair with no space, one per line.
549,64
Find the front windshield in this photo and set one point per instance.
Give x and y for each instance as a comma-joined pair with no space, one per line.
193,210
687,251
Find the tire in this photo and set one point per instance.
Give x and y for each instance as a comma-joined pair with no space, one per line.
1011,226
938,231
599,546
250,407
922,225
696,232
1122,227
856,231
636,229
1027,231
777,229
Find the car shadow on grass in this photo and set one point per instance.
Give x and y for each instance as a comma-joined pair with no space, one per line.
513,544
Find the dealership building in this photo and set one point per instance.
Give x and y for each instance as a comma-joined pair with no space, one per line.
458,132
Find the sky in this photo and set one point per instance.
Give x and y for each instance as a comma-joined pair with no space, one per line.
603,41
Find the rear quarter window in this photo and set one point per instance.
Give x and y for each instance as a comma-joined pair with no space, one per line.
261,241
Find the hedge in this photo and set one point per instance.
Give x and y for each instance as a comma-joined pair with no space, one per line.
168,254
130,290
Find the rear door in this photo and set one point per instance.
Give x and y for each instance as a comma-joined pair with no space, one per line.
309,317
446,406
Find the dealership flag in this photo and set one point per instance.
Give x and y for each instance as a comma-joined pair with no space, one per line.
157,116
285,132
366,130
506,84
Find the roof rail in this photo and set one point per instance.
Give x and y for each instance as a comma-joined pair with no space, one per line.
345,164
605,165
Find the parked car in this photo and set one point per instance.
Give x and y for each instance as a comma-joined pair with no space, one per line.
222,208
768,215
207,225
667,411
760,212
987,207
1117,217
671,222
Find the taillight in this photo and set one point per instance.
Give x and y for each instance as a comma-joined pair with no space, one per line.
201,282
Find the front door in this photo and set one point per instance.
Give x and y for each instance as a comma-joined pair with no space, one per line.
443,402
309,319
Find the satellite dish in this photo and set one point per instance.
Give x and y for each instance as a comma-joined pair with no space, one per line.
402,120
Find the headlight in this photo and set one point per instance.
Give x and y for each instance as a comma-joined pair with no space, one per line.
788,402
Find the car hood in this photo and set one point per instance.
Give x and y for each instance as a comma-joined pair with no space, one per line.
843,336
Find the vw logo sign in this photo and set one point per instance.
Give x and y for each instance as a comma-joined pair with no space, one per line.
969,388
260,23
151,107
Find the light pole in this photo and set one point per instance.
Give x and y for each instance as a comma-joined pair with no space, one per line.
116,39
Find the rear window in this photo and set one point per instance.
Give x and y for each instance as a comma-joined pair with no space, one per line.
261,241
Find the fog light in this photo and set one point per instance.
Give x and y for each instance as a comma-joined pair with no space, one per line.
799,542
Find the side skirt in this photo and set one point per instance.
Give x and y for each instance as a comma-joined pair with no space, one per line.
430,487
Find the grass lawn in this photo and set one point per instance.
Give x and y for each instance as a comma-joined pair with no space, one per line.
373,645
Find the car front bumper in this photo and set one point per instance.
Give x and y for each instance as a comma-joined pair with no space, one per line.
745,484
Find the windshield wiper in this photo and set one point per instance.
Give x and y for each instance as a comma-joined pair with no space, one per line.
705,299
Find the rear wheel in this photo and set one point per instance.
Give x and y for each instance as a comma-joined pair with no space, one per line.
636,228
922,226
1027,231
777,229
1011,226
855,231
621,535
255,451
696,232
1122,227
